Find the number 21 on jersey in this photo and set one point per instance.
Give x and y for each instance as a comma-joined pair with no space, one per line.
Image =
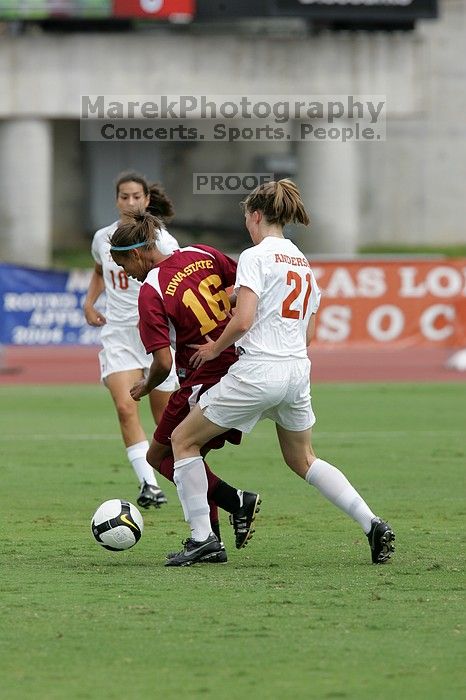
296,282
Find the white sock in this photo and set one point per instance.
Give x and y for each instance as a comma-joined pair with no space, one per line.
137,456
191,483
334,485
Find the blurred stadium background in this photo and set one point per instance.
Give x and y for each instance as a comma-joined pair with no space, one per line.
302,614
401,196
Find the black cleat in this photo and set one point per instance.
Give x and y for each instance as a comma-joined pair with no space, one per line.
243,519
219,557
196,552
151,496
381,538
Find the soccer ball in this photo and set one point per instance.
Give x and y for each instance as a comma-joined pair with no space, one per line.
117,525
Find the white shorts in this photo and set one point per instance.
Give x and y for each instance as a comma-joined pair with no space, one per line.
123,350
255,389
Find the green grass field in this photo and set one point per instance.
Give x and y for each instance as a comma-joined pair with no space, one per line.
300,613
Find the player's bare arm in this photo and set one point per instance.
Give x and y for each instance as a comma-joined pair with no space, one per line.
240,323
96,287
158,372
310,329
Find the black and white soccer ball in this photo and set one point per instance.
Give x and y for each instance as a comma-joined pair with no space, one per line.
117,525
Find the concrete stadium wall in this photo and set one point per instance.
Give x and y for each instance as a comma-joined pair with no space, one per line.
413,186
407,190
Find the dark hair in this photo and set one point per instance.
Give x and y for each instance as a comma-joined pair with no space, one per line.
139,227
131,176
279,201
160,205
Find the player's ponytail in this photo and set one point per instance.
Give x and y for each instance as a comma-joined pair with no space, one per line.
137,230
279,201
160,205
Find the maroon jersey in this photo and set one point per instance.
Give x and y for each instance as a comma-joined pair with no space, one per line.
182,300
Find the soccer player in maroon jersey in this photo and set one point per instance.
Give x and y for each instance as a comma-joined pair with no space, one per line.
182,301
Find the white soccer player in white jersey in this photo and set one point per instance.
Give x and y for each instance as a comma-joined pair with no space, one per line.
123,359
277,299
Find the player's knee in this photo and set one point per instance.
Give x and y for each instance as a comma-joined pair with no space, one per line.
126,410
177,439
156,453
152,457
181,440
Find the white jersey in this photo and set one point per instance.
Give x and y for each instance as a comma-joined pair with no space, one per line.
122,291
279,274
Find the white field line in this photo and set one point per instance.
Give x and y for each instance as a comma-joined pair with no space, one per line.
59,436
383,433
317,435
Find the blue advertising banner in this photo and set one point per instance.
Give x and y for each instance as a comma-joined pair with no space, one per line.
44,307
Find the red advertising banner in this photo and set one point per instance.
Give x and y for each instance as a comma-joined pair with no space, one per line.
370,304
156,9
391,304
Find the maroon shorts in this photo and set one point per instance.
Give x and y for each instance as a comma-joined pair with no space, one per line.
178,407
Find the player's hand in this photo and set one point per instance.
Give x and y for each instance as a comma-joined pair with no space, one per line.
94,317
204,353
139,390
